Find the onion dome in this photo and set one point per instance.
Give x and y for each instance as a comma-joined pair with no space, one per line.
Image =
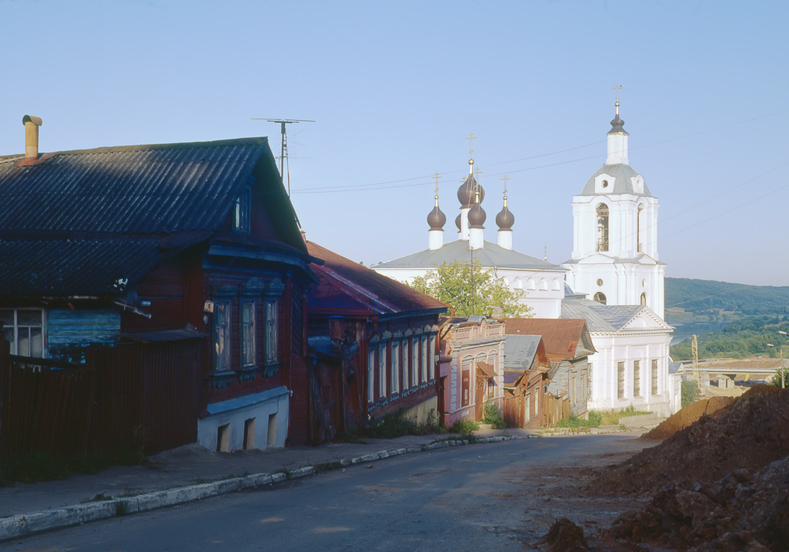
476,216
458,222
505,219
617,124
436,219
469,188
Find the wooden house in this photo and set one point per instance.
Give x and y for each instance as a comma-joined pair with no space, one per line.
526,381
472,350
568,345
373,347
160,243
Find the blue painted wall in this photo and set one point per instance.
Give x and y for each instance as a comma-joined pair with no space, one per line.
68,330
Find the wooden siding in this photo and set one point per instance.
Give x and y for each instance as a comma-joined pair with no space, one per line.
129,396
69,329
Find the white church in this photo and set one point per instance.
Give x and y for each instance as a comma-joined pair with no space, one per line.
614,279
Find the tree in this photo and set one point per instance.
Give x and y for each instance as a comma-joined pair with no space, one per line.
470,289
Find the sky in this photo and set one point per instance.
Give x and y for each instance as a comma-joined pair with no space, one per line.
395,88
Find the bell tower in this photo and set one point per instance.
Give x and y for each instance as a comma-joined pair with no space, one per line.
615,255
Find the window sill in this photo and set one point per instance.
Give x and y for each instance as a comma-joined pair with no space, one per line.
221,380
248,373
270,369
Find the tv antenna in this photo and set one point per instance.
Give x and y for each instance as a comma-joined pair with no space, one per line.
282,157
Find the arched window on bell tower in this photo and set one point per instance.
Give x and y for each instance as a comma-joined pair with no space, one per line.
644,299
599,297
602,227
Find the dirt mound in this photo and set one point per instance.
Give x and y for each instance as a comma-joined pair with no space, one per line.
684,418
750,433
737,512
563,536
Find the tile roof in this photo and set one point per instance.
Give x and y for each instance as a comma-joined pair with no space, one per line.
563,338
491,255
346,286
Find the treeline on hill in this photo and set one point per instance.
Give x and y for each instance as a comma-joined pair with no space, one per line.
711,299
753,335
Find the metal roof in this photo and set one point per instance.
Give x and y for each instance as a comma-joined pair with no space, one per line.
605,318
89,222
346,286
519,351
72,268
156,189
563,338
622,184
491,255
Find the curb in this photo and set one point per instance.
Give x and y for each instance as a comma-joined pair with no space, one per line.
25,525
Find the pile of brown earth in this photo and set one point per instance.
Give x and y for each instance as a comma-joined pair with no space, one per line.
684,418
720,484
750,433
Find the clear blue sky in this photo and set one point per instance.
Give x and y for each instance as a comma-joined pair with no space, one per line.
395,87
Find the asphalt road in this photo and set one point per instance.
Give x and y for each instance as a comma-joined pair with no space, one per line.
453,499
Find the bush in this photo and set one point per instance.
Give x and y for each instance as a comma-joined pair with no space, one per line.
491,414
776,379
690,392
391,426
464,425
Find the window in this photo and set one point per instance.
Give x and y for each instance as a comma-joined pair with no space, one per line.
654,377
465,387
424,358
272,331
431,360
527,408
222,336
636,378
405,364
382,370
395,367
620,388
24,329
414,362
644,299
248,333
639,222
600,297
371,373
602,227
242,210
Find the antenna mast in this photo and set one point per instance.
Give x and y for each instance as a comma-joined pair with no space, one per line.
282,123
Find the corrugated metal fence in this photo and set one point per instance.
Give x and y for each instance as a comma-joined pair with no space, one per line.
131,396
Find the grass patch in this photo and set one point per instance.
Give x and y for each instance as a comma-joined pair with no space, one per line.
464,426
491,414
35,466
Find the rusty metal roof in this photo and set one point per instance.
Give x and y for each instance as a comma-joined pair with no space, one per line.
563,338
346,287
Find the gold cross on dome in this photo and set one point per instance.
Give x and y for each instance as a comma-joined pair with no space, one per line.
505,184
436,176
470,138
477,172
617,88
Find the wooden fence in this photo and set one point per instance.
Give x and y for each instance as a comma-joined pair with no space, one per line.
133,395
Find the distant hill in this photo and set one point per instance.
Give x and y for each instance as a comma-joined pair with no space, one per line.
712,300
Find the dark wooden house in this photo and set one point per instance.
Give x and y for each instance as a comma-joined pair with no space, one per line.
373,347
526,382
148,245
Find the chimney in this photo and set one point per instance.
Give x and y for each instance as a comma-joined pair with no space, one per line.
31,135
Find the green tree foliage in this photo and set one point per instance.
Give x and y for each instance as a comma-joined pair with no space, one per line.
690,392
470,289
742,338
710,298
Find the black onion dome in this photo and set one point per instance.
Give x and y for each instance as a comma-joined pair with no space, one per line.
617,125
458,222
436,219
505,219
476,216
468,190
